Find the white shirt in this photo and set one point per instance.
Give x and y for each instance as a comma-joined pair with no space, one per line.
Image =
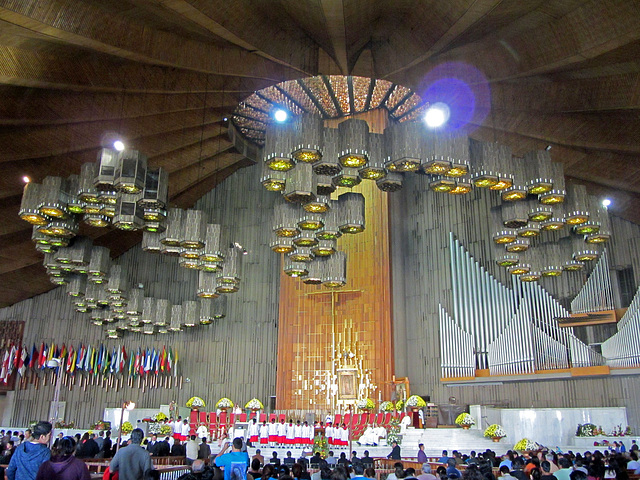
177,427
297,431
264,431
273,429
185,429
328,432
344,434
254,428
311,432
290,432
202,431
282,429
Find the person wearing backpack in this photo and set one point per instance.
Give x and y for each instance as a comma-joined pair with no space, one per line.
231,461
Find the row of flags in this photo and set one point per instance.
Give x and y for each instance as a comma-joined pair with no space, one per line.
88,359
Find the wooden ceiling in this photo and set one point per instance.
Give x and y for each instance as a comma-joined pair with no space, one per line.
164,73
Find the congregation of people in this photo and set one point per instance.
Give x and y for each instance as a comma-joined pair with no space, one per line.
28,457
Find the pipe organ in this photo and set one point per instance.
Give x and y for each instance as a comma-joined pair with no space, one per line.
623,348
596,294
506,330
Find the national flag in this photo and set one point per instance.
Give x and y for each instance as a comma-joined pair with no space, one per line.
136,364
114,363
33,361
5,367
72,362
148,360
175,363
132,368
63,354
51,353
87,359
43,356
82,352
163,358
156,361
23,359
69,360
13,354
169,360
123,358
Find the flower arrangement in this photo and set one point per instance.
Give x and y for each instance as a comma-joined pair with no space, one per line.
165,429
99,425
495,431
63,424
126,428
465,420
196,402
321,445
525,445
415,401
365,404
393,435
155,427
254,404
587,430
399,405
619,432
224,402
160,417
386,406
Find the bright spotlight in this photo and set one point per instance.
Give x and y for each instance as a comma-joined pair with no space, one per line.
437,115
118,145
606,202
280,115
26,179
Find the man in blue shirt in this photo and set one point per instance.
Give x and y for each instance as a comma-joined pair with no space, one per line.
225,460
28,457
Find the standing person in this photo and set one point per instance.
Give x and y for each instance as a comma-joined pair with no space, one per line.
106,446
282,432
273,433
191,450
422,457
177,429
395,451
264,433
253,432
177,449
204,450
132,461
185,430
63,465
291,439
89,448
344,435
228,460
328,432
28,457
297,433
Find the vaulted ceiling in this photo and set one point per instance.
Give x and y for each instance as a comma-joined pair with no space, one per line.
164,73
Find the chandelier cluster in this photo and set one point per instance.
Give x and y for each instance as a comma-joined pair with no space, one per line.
120,190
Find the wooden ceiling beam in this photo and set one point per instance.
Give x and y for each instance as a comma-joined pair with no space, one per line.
189,197
580,35
476,11
187,178
83,25
103,73
287,48
48,140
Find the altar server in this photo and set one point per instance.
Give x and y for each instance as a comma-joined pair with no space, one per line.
264,433
297,433
254,431
273,433
282,432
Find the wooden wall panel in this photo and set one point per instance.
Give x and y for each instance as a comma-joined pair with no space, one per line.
234,357
305,340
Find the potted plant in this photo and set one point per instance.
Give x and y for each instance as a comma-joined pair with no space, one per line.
526,445
254,405
415,403
365,404
224,404
587,430
495,432
465,421
126,428
386,406
195,403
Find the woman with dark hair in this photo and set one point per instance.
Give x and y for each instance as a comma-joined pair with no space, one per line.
269,472
63,465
